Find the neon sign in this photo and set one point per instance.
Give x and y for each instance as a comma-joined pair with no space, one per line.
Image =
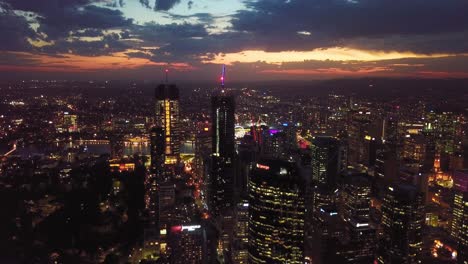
263,167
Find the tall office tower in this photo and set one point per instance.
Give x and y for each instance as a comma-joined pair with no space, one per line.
223,108
360,235
167,117
459,230
415,147
275,145
358,129
356,197
221,187
186,243
157,151
241,234
202,148
152,204
402,223
386,167
328,230
325,169
290,133
442,129
166,204
276,213
325,161
394,132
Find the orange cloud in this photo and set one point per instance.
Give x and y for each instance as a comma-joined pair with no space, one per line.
442,74
330,71
77,63
333,54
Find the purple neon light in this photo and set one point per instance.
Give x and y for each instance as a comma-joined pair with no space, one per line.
223,75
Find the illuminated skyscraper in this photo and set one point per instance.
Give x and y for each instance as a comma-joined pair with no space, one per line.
325,165
276,213
459,230
223,152
157,150
223,108
360,234
402,222
186,243
326,161
167,117
241,235
166,204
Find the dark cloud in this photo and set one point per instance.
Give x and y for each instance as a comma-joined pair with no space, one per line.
44,6
169,33
90,32
427,44
145,3
15,31
107,45
59,23
331,23
58,17
165,4
205,18
115,3
82,27
160,5
362,18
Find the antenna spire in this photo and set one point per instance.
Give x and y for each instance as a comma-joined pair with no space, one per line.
167,75
223,76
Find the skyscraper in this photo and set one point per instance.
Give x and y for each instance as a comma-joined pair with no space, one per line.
241,234
276,213
167,117
325,168
326,161
223,152
157,151
223,107
360,234
402,222
187,243
459,230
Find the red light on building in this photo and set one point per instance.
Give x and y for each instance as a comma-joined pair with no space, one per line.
263,167
176,229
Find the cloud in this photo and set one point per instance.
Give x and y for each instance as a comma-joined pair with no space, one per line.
165,4
275,23
145,3
58,17
15,31
107,44
99,29
160,5
59,23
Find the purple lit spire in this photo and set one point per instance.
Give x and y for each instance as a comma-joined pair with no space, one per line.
223,75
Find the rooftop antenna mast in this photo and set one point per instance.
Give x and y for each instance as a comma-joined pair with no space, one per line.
223,76
167,75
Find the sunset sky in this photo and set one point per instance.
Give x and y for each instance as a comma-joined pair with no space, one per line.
257,39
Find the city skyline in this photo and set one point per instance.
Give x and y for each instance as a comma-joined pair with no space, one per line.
234,131
257,39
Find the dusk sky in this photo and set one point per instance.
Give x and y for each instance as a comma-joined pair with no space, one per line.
256,39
